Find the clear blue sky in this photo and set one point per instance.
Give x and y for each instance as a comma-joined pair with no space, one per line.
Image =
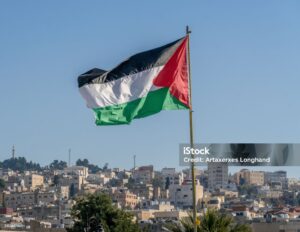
245,69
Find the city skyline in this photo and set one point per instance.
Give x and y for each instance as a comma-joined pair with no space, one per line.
231,169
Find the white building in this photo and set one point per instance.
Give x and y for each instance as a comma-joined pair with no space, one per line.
77,170
98,178
171,177
182,195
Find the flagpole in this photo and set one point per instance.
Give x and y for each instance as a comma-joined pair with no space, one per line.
191,132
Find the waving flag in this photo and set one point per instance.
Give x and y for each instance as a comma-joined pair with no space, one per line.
142,85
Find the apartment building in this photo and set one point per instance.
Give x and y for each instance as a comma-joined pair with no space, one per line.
217,175
143,174
25,199
33,181
246,176
125,198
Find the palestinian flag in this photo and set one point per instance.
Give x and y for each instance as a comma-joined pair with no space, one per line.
142,85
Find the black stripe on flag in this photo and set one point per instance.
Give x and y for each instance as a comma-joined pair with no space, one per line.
134,64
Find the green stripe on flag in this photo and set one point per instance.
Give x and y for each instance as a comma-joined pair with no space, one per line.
153,103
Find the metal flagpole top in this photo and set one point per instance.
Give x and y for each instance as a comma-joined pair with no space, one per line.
187,30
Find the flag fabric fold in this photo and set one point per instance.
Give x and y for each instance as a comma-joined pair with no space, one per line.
142,85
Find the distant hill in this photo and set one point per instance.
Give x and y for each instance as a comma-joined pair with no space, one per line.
20,164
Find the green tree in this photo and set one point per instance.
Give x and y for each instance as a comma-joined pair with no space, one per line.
58,165
249,190
167,183
56,180
2,184
72,190
157,182
99,208
131,183
297,199
20,164
211,221
85,162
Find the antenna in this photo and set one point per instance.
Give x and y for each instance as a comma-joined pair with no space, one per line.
13,151
134,162
69,157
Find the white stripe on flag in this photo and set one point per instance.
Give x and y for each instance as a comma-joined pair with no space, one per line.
123,90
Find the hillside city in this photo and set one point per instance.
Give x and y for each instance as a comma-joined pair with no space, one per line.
35,198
